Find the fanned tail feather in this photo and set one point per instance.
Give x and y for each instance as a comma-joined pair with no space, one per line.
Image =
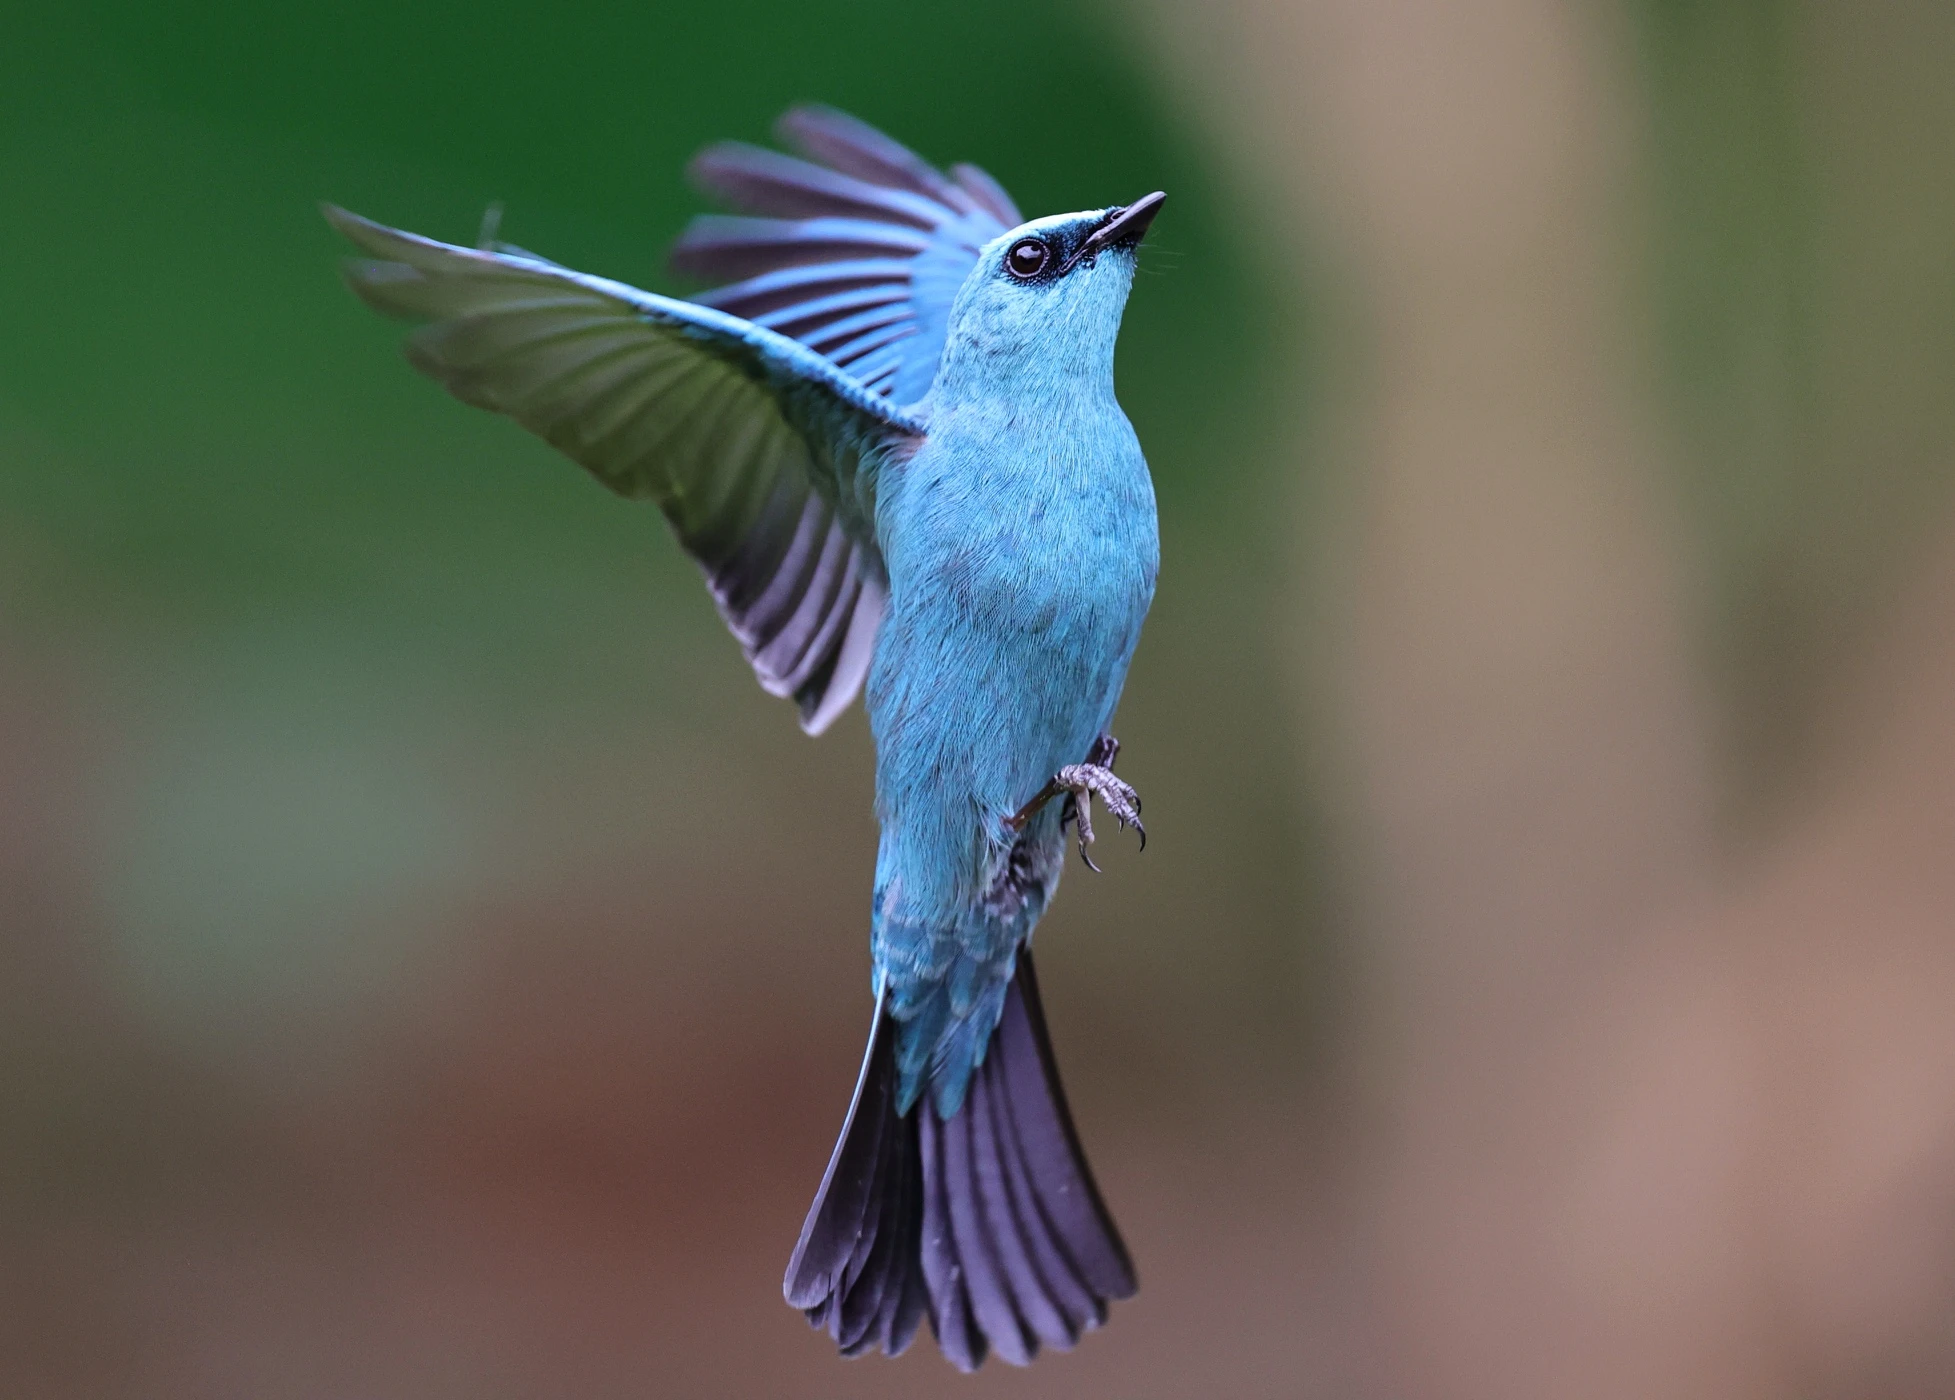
988,1221
855,1271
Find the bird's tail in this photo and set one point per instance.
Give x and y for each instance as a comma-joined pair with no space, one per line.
987,1222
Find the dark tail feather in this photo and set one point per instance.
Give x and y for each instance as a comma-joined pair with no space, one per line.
855,1271
1068,1202
989,1220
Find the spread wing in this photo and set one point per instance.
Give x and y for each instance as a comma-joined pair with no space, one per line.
761,453
860,249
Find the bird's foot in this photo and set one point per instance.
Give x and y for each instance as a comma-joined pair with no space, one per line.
1103,754
1081,783
1085,781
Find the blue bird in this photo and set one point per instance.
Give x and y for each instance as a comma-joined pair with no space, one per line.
891,442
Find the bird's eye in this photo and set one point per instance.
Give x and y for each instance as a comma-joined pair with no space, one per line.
1027,257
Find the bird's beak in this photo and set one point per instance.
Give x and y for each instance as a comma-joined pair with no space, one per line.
1124,227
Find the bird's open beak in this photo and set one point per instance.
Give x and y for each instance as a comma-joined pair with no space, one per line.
1121,228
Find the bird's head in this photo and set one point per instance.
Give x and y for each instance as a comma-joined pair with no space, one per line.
1043,304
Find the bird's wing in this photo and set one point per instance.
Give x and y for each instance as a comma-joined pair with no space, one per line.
761,453
859,250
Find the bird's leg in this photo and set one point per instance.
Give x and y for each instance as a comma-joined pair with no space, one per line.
1081,783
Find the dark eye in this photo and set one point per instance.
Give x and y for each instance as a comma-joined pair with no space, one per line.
1027,257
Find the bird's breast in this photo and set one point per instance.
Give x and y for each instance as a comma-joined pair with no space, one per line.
1051,536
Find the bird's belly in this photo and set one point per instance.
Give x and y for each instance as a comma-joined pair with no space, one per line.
1002,656
1073,595
1051,593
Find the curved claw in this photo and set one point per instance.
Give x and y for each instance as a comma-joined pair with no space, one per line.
1081,783
1133,822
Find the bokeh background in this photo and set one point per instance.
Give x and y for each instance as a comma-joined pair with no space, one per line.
429,966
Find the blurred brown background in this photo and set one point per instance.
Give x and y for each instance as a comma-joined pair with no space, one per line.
430,968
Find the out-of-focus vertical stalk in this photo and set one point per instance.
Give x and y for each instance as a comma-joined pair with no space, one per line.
1641,1126
1507,695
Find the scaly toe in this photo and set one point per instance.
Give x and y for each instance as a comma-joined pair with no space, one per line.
1085,781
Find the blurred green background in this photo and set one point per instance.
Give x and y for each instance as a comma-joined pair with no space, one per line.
429,966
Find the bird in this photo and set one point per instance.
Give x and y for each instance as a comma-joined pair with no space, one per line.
889,438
